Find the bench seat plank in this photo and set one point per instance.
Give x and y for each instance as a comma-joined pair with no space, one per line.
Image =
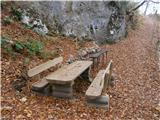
40,84
69,72
95,89
101,80
40,68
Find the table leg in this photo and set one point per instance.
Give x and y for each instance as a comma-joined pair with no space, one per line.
86,75
62,91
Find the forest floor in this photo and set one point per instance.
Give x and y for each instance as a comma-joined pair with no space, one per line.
135,95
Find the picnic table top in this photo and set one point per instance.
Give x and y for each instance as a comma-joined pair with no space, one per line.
68,73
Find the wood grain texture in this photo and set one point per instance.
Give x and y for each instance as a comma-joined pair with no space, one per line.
95,88
40,68
69,72
98,84
40,84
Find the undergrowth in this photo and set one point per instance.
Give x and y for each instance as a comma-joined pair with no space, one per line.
28,48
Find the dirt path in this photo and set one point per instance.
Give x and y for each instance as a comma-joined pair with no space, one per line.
137,90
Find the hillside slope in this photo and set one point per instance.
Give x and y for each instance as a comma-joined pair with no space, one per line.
135,95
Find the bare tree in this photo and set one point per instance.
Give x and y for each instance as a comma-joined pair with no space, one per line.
148,1
138,6
142,3
154,1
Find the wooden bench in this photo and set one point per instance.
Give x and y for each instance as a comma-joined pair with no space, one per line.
41,86
96,57
100,83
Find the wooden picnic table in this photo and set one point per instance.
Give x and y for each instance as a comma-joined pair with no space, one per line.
59,83
62,80
68,73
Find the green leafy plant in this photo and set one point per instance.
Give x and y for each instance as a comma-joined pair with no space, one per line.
48,54
26,61
28,48
9,51
19,47
6,45
34,46
17,13
5,42
7,20
28,26
3,4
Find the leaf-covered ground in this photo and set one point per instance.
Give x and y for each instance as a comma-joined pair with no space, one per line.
135,95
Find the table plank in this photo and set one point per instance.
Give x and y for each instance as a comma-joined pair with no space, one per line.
69,72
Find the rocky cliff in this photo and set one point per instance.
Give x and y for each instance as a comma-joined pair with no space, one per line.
99,21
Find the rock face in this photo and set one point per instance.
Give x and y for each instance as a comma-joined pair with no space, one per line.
95,20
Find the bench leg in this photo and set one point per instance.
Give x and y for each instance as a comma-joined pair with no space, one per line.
102,102
93,65
43,91
103,60
62,91
86,75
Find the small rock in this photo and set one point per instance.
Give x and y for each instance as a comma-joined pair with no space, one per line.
71,59
83,53
20,117
158,109
24,99
50,117
7,108
25,20
111,32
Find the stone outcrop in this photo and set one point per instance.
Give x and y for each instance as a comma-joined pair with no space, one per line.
96,20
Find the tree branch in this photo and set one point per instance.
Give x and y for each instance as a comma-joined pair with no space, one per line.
137,6
154,2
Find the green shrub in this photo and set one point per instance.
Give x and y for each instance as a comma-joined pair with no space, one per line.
19,47
48,54
26,61
9,51
4,41
34,46
7,20
17,13
3,4
6,45
28,48
31,46
27,26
